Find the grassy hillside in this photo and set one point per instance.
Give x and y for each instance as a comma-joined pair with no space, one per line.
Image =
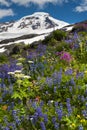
44,87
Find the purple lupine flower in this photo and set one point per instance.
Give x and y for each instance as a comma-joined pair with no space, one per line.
41,103
42,126
14,112
69,72
56,125
69,108
57,77
53,119
81,127
45,118
41,48
72,82
61,106
70,88
82,98
60,113
75,36
1,100
86,92
84,112
80,75
55,88
76,46
86,98
13,126
69,41
86,105
17,120
56,104
34,104
6,128
39,111
49,81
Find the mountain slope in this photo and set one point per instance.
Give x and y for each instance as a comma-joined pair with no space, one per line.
39,25
36,23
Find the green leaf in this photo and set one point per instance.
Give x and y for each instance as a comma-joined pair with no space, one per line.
16,95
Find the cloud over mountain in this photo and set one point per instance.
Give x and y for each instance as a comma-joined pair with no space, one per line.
38,2
82,7
4,2
6,12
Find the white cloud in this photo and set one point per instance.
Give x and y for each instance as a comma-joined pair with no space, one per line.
6,12
82,7
38,2
4,2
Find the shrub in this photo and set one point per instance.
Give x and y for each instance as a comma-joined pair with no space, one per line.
62,46
52,41
59,35
3,58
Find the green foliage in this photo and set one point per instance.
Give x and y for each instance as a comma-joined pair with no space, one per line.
62,46
47,89
52,41
59,35
56,36
3,58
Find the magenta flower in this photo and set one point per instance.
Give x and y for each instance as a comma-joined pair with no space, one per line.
66,57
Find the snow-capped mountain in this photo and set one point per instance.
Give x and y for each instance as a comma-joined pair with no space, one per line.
40,24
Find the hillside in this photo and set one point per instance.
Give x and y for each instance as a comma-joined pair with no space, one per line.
44,86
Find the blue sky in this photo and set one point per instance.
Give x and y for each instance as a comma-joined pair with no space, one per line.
70,11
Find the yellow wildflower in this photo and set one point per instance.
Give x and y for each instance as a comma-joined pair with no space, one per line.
78,116
83,121
73,125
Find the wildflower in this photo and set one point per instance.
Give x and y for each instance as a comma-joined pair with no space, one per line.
68,106
30,62
60,113
78,116
79,74
11,73
6,128
45,118
19,63
26,76
39,111
37,98
4,107
68,72
84,112
82,120
17,71
85,72
81,127
56,104
21,59
55,89
42,126
54,120
66,57
73,125
56,125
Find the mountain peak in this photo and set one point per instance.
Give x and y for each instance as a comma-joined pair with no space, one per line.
39,23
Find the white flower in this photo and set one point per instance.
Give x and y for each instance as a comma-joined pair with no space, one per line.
17,71
26,76
30,61
11,73
19,64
